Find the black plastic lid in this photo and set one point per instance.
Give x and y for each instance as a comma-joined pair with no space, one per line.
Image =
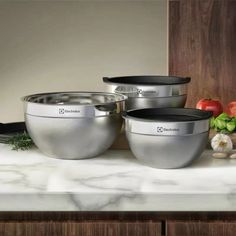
147,80
170,114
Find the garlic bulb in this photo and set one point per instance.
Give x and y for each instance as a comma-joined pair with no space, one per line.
221,143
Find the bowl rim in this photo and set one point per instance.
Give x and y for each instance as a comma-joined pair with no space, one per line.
147,80
203,115
122,98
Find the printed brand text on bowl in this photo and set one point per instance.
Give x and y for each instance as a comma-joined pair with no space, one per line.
162,129
63,111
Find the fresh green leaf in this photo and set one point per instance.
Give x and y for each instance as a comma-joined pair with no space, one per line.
223,116
230,126
221,124
21,141
234,120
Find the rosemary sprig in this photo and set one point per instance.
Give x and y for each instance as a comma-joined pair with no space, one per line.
20,141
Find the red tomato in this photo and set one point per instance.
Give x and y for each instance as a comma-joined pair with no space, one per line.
231,109
210,105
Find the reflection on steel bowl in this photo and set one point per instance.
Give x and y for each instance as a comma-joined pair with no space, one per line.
74,125
150,91
167,137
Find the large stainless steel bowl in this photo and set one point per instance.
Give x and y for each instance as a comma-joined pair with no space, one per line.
167,137
150,91
74,125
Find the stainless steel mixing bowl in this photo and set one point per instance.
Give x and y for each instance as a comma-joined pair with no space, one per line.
167,137
150,91
74,125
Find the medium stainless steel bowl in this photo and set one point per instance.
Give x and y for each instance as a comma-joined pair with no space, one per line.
150,91
167,137
74,125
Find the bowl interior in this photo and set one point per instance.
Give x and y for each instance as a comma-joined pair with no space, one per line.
74,98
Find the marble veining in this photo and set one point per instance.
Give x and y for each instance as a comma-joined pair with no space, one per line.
114,181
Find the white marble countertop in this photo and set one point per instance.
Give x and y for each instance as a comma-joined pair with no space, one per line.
114,181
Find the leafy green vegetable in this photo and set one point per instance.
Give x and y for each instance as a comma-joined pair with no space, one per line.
21,141
223,116
223,123
212,122
230,126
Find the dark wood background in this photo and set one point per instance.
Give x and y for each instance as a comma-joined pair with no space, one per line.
202,45
117,224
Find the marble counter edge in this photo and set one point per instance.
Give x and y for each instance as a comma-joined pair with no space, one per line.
117,202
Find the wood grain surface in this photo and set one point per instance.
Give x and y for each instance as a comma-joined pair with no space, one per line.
202,45
117,223
121,142
80,228
201,228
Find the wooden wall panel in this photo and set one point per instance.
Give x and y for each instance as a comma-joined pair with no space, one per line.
202,45
218,228
80,228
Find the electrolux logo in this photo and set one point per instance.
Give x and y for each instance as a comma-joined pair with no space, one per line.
162,129
64,111
61,111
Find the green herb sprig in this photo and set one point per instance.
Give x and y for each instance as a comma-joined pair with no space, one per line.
21,141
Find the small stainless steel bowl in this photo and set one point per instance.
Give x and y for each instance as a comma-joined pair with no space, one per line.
150,91
167,137
74,125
